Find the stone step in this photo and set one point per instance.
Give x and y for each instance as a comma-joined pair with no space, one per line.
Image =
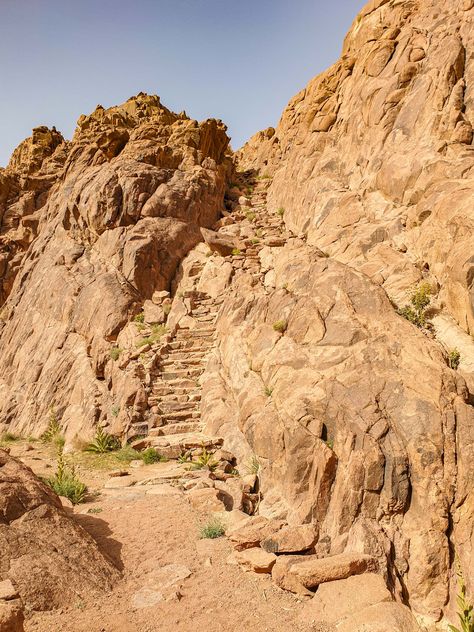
181,363
175,384
167,376
180,415
170,407
178,428
172,446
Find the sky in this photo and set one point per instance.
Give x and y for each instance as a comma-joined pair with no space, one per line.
237,60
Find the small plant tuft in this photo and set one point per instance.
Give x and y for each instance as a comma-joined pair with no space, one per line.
115,353
253,465
236,252
212,529
465,613
103,442
115,410
268,391
454,359
139,318
281,211
280,326
9,437
185,457
420,299
53,433
150,456
250,215
65,481
205,460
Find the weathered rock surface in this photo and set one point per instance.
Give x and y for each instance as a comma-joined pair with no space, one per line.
89,230
373,160
300,572
49,559
256,560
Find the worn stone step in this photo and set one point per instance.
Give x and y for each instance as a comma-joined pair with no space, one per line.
167,376
170,406
174,445
180,415
178,428
184,383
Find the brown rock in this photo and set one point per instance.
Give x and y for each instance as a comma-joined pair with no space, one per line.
221,244
253,532
337,600
47,556
386,617
11,616
255,559
291,539
298,573
206,499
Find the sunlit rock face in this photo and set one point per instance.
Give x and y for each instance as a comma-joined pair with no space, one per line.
89,230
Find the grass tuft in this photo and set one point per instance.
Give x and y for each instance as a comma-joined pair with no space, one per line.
212,529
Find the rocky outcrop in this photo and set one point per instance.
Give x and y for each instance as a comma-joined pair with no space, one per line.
90,229
47,557
373,159
358,424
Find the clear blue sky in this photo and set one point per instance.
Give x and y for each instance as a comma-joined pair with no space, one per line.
239,60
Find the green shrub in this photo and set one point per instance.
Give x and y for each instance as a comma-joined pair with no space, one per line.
156,332
65,481
166,308
115,411
150,455
454,358
9,437
255,241
253,465
465,612
236,252
115,353
280,326
420,299
53,433
103,442
268,391
127,454
281,211
139,318
205,460
212,529
185,457
250,215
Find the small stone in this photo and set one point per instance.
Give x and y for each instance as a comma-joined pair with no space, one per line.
118,473
7,590
256,560
145,598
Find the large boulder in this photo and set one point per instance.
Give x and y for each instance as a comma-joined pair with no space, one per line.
48,558
89,230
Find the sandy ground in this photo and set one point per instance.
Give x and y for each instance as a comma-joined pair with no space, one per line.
152,535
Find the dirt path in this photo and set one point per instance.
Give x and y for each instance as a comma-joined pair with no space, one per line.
152,533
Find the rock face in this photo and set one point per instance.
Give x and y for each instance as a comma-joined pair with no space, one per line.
373,159
89,230
358,423
48,558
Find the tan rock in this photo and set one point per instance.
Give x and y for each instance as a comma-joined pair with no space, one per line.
256,559
386,617
206,499
298,573
34,533
253,532
335,601
291,539
221,244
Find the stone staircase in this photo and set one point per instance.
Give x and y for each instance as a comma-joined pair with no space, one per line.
175,390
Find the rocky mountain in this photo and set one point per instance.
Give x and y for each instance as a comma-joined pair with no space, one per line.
305,303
